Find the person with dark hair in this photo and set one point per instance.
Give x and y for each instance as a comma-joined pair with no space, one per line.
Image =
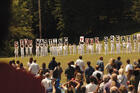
79,62
118,63
97,72
17,63
69,72
138,64
59,70
100,63
52,64
30,62
91,87
44,69
128,69
34,68
88,72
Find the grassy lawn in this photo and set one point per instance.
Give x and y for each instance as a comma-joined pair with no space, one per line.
87,57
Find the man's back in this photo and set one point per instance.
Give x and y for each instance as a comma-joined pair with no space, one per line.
52,65
80,63
34,68
100,63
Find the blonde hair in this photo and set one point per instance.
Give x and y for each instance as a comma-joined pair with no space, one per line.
121,71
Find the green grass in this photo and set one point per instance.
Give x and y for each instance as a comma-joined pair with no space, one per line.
65,59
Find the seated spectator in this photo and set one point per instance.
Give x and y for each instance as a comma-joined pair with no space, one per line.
88,72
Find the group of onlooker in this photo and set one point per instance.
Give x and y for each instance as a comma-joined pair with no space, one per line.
113,77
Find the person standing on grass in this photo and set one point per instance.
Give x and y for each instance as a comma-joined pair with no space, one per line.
100,64
88,72
34,68
118,63
79,62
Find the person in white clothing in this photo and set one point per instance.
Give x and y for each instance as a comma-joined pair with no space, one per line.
22,51
79,62
47,83
37,50
128,66
91,87
97,72
34,68
74,48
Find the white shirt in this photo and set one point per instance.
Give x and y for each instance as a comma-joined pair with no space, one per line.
128,67
34,68
90,88
80,63
95,73
47,83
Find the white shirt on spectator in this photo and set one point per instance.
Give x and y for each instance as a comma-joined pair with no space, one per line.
95,74
80,63
47,83
34,68
128,67
90,88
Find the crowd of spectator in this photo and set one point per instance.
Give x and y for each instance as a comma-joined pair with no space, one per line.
113,77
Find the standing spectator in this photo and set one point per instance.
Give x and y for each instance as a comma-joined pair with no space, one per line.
109,66
118,63
138,64
122,78
59,69
91,87
44,69
30,62
69,72
108,85
79,62
34,68
88,72
100,63
105,80
97,72
128,69
47,83
52,64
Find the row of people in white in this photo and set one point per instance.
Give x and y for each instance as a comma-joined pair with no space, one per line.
24,51
78,49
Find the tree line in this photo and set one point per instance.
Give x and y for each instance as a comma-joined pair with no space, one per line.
71,18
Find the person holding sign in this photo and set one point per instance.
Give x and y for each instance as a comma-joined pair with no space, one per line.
112,44
16,48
